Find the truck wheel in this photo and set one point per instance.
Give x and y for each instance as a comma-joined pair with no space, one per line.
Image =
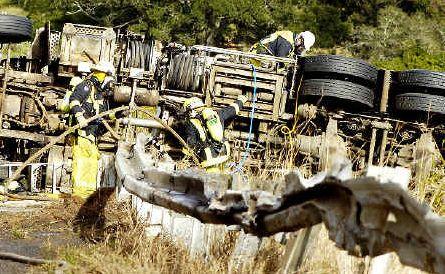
14,29
337,89
340,65
420,102
422,80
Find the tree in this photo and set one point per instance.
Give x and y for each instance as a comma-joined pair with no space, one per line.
322,19
399,36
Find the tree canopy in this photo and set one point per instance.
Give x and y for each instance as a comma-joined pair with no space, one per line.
396,34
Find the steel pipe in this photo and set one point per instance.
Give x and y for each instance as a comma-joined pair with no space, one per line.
149,123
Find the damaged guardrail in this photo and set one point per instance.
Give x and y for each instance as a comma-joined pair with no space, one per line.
362,215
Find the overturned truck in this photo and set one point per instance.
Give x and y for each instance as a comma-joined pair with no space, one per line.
298,110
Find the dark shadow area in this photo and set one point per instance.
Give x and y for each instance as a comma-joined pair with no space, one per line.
90,220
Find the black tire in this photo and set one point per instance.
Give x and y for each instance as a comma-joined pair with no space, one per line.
340,65
338,89
421,78
420,102
14,29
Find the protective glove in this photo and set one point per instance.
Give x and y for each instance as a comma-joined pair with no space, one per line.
242,98
81,120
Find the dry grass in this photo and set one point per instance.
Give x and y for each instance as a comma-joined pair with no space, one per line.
7,7
116,242
432,190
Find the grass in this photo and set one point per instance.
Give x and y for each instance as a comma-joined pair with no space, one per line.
7,7
432,190
18,233
116,242
17,50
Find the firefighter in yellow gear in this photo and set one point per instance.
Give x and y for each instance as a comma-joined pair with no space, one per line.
65,104
285,43
83,69
204,132
87,100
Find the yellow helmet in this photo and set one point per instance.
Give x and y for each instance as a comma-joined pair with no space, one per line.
193,103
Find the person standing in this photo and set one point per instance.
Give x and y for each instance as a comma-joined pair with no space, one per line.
87,100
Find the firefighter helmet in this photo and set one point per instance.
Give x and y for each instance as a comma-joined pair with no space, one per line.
104,66
308,39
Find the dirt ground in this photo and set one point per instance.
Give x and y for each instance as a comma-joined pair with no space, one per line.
39,229
32,228
102,236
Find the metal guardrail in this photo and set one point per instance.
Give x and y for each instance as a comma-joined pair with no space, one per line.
362,215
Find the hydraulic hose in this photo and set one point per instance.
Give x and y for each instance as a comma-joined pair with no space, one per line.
252,112
78,126
172,131
58,139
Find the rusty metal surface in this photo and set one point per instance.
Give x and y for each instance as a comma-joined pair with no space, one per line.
19,134
100,42
143,96
362,215
30,78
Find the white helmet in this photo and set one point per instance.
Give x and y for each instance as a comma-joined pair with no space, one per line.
104,66
84,67
308,39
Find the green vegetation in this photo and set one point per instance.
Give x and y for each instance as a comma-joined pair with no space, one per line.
394,34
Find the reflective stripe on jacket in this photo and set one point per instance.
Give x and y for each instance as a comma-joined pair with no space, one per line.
205,134
279,44
211,147
87,100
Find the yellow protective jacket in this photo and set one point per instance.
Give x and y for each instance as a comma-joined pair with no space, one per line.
279,44
205,134
88,100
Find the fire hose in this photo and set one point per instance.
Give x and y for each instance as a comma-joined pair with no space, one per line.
62,264
78,126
